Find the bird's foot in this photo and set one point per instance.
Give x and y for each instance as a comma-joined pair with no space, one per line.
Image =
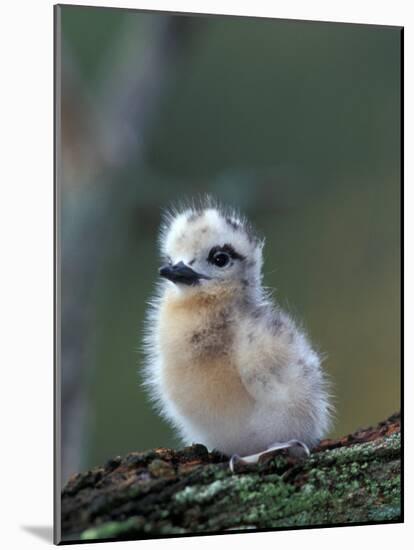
296,448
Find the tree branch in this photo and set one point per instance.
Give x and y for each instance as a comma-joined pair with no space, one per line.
164,492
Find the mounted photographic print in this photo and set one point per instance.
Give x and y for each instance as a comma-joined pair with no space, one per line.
228,274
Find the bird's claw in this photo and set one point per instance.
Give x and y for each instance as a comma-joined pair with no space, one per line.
233,460
297,448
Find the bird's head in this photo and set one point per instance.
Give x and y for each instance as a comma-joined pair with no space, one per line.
210,248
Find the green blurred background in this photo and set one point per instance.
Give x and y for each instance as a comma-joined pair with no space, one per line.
297,124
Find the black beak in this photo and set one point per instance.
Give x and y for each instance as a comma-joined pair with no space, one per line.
181,273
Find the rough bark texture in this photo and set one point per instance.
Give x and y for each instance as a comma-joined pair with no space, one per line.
163,492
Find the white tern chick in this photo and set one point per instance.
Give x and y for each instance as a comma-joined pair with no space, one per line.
226,366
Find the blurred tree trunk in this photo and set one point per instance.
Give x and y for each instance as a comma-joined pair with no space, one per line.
98,135
355,479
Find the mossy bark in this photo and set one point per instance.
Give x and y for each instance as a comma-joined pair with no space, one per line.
164,492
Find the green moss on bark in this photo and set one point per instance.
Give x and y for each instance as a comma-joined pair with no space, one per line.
164,492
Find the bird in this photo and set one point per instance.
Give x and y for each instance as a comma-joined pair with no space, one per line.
225,365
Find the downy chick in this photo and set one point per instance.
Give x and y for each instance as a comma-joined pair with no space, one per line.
225,365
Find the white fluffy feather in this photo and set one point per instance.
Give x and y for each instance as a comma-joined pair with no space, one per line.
225,366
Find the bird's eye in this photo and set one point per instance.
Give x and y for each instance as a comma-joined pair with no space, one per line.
221,259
